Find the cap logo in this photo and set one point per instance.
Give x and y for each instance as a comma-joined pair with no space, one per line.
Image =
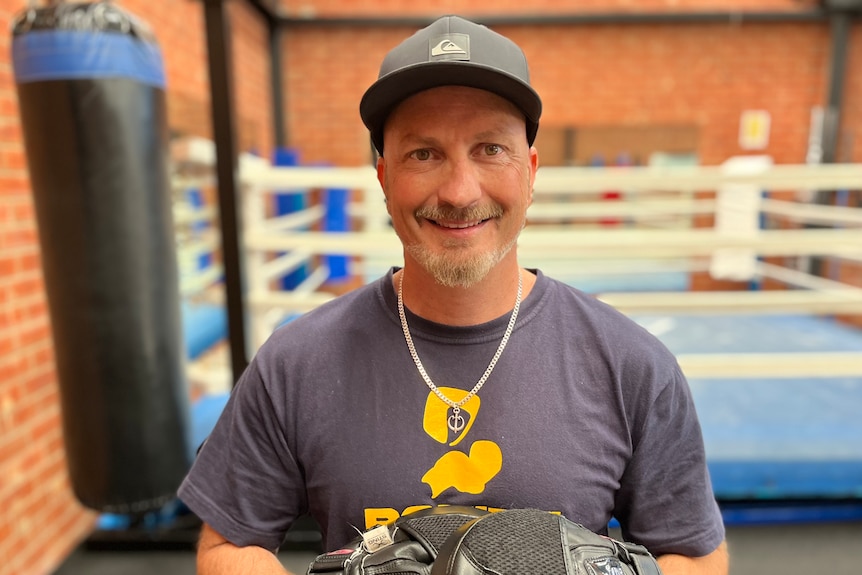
450,47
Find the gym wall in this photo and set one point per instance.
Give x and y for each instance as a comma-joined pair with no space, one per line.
40,520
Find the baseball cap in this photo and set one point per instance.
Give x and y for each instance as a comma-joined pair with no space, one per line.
451,51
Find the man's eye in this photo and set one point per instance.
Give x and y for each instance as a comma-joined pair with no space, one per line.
492,149
421,155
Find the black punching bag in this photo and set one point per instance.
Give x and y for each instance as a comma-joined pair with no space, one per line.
90,83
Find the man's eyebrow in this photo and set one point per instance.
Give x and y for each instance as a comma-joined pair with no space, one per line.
417,140
492,134
412,138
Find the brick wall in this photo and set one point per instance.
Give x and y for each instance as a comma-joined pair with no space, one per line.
699,75
702,75
306,8
850,149
40,520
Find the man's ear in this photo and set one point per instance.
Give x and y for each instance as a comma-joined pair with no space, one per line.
381,178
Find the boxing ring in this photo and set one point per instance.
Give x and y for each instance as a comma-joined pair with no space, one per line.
775,367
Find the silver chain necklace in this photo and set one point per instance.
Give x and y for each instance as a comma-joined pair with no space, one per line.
456,422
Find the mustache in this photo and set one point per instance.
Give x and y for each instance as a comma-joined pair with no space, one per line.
469,214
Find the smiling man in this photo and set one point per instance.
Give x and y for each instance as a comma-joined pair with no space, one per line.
459,378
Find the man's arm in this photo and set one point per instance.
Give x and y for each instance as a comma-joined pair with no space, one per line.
218,556
716,563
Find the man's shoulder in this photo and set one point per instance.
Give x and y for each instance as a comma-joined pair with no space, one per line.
570,296
623,333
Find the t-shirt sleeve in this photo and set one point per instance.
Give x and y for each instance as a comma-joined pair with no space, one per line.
666,501
245,482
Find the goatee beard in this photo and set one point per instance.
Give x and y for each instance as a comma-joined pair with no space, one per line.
450,268
457,264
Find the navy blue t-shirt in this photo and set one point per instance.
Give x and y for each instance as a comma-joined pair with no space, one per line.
586,414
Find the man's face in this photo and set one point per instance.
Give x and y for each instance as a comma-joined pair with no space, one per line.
458,178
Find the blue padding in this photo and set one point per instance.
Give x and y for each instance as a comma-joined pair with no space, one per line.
204,325
68,55
336,220
205,413
782,480
790,512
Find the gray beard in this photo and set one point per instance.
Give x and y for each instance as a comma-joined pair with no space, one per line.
450,269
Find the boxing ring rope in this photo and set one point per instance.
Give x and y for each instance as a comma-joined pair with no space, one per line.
196,238
536,243
566,181
770,365
653,233
553,246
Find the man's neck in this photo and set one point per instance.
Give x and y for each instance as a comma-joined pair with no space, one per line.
489,299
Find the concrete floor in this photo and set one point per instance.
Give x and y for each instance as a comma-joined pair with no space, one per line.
785,549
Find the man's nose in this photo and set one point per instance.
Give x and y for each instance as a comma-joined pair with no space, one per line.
461,186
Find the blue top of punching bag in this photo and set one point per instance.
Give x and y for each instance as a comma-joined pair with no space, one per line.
84,41
67,55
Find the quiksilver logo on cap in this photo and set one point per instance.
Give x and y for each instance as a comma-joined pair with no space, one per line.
447,47
450,47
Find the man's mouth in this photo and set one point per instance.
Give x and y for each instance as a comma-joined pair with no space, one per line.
458,225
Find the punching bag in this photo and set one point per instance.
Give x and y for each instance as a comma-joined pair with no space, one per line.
90,84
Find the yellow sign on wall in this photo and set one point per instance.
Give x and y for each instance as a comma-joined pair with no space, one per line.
754,130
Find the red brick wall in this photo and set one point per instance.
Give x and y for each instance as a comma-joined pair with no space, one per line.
40,520
851,122
305,8
691,74
700,74
252,79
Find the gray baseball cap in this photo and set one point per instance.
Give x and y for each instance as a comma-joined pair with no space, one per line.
451,51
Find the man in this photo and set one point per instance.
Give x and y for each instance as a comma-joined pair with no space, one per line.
460,378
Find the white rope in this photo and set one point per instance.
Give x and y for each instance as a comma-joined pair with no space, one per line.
552,241
770,302
569,180
801,279
286,300
271,179
294,220
280,266
813,213
771,365
656,234
638,209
